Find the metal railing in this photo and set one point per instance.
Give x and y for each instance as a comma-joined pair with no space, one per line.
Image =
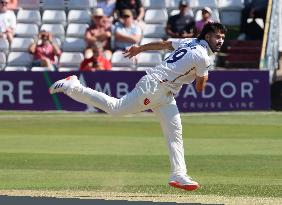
270,48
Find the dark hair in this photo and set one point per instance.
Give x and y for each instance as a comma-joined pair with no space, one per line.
211,28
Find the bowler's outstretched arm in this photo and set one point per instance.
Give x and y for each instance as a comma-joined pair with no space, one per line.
154,46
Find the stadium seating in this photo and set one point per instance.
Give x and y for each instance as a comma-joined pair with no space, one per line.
16,68
41,69
173,4
79,16
122,69
119,62
214,16
56,29
149,40
29,4
76,30
148,59
70,59
53,4
73,45
2,60
198,4
230,4
29,16
21,59
230,11
156,16
54,17
68,69
231,18
21,44
58,42
81,4
4,45
68,20
93,3
173,12
155,4
154,31
26,30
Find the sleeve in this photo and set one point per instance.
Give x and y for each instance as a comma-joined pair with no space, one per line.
203,66
176,42
117,27
137,30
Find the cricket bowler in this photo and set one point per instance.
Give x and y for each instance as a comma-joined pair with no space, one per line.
188,61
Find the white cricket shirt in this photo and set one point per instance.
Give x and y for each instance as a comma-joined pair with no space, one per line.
190,58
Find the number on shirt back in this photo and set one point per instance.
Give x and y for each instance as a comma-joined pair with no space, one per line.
176,56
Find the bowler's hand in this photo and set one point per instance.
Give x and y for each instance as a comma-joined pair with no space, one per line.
132,51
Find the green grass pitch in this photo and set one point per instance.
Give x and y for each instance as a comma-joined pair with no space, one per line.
231,154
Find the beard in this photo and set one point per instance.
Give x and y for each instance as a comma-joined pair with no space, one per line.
217,47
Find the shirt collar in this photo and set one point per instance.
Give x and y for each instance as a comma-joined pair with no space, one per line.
207,46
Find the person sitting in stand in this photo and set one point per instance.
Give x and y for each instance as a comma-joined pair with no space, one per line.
94,60
99,32
206,18
127,32
135,6
7,21
108,7
181,25
252,10
44,51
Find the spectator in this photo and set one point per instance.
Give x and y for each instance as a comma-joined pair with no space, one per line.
13,4
94,60
206,18
253,9
99,32
44,51
181,25
108,7
135,6
127,32
7,21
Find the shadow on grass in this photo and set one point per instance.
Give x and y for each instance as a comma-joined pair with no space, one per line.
17,200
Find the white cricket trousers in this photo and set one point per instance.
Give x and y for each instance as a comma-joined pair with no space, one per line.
147,94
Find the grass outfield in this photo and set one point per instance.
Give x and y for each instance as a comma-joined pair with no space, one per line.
230,154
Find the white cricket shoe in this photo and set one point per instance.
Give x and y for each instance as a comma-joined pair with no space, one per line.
64,84
183,182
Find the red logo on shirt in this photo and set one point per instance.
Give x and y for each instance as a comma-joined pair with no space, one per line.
146,101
